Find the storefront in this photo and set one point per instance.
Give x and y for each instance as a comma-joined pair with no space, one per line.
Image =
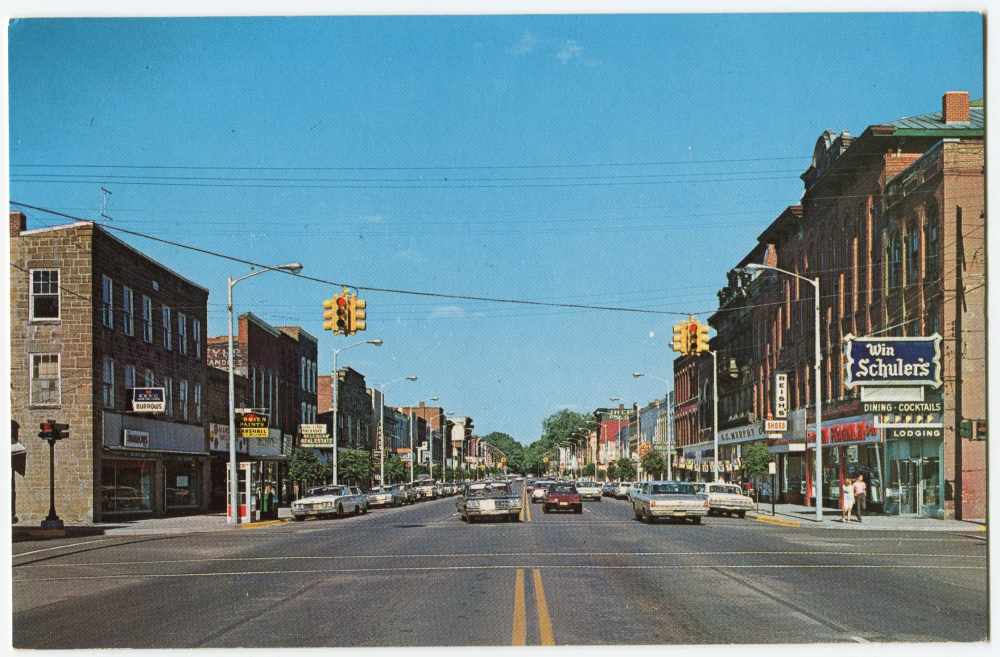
151,467
218,446
732,442
851,446
914,472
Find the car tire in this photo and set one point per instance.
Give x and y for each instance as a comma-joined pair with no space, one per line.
357,509
364,509
635,511
696,520
340,511
515,517
545,508
742,514
298,518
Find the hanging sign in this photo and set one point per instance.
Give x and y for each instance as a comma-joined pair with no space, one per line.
149,400
251,425
781,396
880,361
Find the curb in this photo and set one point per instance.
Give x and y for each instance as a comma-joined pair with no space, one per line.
779,522
264,523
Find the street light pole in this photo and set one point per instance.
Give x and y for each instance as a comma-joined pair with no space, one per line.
335,384
233,517
381,427
818,478
715,414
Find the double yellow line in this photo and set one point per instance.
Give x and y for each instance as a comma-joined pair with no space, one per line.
519,632
525,505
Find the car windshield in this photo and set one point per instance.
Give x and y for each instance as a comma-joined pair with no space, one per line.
586,484
479,491
731,490
563,488
672,488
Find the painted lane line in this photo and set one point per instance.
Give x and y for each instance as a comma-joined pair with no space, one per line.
61,547
493,555
545,636
519,631
405,569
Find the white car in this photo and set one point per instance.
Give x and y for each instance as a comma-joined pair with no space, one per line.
330,500
426,489
725,499
589,490
621,492
539,489
668,499
379,496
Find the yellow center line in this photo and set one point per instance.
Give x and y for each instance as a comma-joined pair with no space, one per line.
519,633
545,636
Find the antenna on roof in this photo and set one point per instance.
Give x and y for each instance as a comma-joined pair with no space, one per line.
105,192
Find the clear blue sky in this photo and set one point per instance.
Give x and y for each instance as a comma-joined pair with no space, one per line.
663,104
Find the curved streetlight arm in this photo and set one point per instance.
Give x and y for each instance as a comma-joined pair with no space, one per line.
758,267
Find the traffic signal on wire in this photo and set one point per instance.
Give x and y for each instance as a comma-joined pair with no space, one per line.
336,314
692,336
679,341
702,339
356,315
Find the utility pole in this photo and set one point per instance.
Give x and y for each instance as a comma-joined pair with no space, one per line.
959,308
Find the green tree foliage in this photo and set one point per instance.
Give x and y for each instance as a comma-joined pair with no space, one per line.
755,460
612,472
396,470
654,464
354,467
305,467
589,470
513,449
626,470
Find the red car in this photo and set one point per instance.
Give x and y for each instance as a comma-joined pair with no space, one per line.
562,497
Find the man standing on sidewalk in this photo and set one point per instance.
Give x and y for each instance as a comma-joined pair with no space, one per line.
860,493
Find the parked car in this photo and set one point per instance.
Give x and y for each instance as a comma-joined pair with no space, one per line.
589,490
608,489
425,488
562,497
725,499
379,496
538,491
481,500
668,499
622,489
330,500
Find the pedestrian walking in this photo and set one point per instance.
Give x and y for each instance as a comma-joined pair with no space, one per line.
860,490
846,500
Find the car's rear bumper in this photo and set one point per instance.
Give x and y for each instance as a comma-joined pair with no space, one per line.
676,513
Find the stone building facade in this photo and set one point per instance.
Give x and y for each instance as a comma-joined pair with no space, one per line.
91,319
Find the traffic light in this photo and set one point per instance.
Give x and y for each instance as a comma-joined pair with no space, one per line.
330,314
52,430
356,315
702,339
679,343
335,313
692,337
342,313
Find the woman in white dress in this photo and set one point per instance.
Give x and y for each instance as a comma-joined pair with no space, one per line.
846,500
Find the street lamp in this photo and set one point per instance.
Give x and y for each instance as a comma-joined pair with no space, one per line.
233,517
335,383
636,375
818,480
381,425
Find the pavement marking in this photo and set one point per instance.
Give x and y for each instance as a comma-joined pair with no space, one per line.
545,636
61,547
494,555
263,523
519,632
777,521
403,569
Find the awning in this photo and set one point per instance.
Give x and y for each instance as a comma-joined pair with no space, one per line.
18,457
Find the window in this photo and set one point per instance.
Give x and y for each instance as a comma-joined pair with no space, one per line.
126,486
148,379
128,311
302,373
168,394
108,383
168,338
182,399
305,418
912,253
45,381
197,401
107,302
895,261
182,345
129,379
932,243
253,387
196,333
147,319
44,294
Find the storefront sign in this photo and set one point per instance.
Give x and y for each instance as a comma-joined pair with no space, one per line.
136,439
915,433
149,400
781,396
741,434
218,439
849,430
316,440
903,408
251,425
775,426
893,361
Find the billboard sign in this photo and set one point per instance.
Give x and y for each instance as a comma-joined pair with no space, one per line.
251,425
149,400
914,361
780,395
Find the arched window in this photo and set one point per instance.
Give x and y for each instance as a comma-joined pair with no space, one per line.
932,242
912,251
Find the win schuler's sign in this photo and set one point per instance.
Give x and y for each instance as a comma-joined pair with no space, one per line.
893,361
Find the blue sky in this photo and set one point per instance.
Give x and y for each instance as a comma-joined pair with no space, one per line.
607,160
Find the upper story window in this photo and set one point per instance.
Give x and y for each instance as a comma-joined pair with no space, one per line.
168,396
932,242
302,373
129,379
44,302
197,401
149,380
182,333
108,383
168,337
46,384
147,319
196,334
128,311
182,398
107,302
895,261
912,253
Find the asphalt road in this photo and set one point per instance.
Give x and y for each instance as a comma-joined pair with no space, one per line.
419,576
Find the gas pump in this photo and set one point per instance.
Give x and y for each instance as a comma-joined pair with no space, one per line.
249,474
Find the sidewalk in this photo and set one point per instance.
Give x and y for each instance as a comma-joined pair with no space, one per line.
208,522
795,515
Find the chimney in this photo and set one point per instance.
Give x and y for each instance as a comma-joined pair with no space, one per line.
18,223
955,107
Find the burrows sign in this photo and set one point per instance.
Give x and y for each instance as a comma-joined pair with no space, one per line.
893,361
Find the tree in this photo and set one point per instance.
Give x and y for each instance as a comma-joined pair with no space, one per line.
513,449
354,467
755,460
589,470
612,472
626,469
395,469
654,464
304,467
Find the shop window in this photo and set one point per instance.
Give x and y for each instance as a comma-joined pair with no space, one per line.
44,293
126,486
128,311
181,480
46,384
107,303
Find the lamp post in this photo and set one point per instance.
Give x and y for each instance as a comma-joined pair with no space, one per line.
670,446
818,480
233,517
335,383
381,426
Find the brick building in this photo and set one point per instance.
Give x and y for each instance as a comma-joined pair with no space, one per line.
305,402
91,319
436,428
355,426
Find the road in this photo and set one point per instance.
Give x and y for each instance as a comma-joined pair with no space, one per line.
419,576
